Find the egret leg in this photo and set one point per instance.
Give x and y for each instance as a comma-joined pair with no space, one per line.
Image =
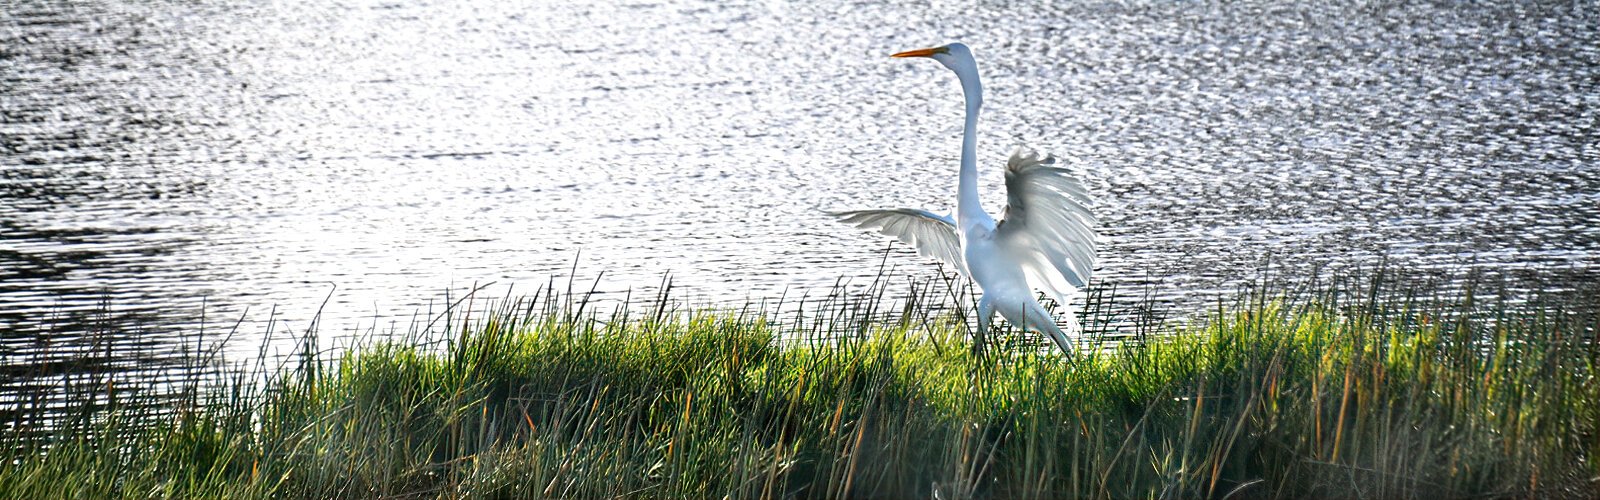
985,314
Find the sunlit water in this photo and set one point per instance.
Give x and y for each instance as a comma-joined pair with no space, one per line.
168,161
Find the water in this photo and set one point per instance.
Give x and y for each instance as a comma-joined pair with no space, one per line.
172,162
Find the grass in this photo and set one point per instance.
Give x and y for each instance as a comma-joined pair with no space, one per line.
1352,392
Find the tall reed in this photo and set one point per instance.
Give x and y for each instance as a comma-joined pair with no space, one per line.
1369,391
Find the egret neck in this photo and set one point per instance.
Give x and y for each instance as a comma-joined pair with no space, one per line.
969,211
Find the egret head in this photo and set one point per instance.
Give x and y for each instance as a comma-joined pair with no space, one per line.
958,58
955,56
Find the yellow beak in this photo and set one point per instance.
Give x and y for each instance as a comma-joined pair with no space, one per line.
922,52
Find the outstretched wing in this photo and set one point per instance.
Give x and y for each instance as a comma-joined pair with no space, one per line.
932,235
1047,227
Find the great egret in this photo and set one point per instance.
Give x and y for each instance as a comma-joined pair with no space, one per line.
1045,239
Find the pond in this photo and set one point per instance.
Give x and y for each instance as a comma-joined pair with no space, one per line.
168,164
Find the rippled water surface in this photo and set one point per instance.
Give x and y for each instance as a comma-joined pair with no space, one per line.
161,159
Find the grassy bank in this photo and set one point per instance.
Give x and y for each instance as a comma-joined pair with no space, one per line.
1335,395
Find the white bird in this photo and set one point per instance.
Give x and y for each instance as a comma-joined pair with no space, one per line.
1044,241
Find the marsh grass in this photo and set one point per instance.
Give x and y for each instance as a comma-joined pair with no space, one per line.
1356,390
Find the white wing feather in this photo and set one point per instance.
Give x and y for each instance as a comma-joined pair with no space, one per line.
932,235
1047,227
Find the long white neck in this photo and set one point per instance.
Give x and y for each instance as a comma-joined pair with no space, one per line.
968,208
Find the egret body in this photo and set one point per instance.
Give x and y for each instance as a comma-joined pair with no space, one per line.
1044,241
